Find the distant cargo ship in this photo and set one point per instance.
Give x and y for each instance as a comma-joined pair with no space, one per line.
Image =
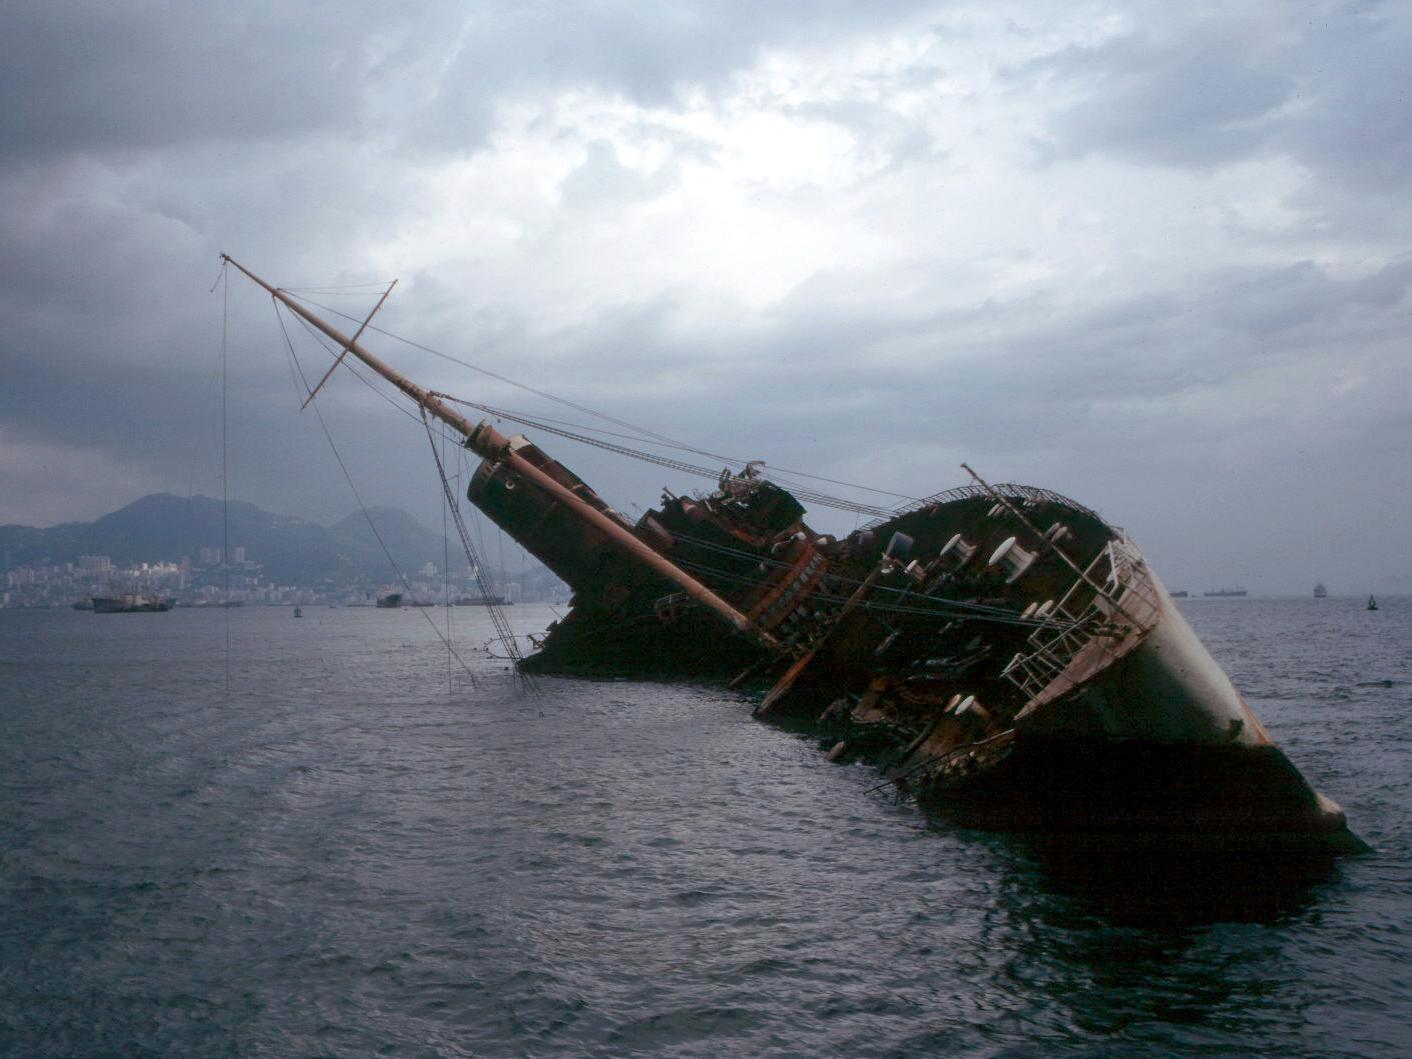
482,601
392,599
1225,592
1179,595
132,603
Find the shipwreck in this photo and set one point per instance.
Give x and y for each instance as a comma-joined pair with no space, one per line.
1001,653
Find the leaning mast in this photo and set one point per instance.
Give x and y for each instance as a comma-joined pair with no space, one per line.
488,443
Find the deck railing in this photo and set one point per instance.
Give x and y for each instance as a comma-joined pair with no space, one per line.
1115,590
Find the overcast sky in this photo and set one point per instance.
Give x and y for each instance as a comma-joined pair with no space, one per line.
1155,257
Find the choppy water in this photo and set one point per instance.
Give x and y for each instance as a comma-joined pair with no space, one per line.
342,859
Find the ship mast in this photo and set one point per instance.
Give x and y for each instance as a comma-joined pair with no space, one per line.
488,443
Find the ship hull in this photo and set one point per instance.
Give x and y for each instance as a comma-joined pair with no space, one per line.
1159,745
1160,794
605,645
1007,676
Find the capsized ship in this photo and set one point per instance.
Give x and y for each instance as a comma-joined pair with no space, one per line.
1002,653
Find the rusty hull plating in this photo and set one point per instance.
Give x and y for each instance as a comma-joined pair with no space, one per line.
1003,654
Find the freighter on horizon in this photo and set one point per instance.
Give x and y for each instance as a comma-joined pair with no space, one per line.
132,603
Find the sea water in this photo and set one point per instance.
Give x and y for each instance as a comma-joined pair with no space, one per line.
331,839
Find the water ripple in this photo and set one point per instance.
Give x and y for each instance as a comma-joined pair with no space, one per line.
341,858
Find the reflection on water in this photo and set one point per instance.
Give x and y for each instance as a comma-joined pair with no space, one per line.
1160,951
1161,888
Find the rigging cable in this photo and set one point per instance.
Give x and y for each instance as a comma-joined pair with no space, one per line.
819,499
504,631
225,482
446,574
937,607
644,434
497,615
363,507
940,607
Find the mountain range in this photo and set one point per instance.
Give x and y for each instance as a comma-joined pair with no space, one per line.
291,550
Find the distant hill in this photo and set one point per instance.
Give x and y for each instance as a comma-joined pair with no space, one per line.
411,543
163,526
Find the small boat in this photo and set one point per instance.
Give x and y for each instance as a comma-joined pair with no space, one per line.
482,601
1372,603
298,613
1320,592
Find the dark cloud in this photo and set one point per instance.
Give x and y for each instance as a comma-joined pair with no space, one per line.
1051,337
1322,83
1194,101
1355,116
133,74
981,374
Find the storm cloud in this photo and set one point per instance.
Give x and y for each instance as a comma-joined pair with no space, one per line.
1154,258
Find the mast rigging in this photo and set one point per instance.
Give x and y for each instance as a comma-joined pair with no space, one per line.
488,443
